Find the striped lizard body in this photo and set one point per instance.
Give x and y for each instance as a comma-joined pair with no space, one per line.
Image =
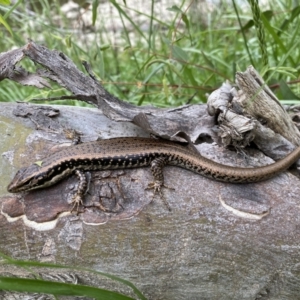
133,152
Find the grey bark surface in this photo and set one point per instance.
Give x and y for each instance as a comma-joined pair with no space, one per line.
210,246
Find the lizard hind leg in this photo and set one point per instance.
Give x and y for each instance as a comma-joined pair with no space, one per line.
157,171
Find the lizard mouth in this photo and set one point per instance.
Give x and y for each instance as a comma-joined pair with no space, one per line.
15,187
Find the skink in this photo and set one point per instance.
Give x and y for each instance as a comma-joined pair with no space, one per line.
133,152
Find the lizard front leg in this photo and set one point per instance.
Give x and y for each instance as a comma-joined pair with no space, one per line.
157,166
81,190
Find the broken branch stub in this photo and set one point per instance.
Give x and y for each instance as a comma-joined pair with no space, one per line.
258,101
253,114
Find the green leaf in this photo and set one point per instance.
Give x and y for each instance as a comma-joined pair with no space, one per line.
287,93
207,60
68,41
166,40
5,2
38,163
127,47
101,64
276,38
188,73
248,25
104,47
268,14
185,20
295,13
5,24
178,53
94,11
141,100
165,87
287,71
174,8
155,70
177,71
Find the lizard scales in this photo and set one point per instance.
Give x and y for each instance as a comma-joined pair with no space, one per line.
134,152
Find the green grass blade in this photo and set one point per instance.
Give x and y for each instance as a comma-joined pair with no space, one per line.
94,11
30,264
259,30
276,38
243,33
57,288
123,13
150,46
5,24
294,14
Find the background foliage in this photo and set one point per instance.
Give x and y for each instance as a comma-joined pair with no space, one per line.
167,55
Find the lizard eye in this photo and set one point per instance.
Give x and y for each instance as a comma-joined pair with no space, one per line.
36,180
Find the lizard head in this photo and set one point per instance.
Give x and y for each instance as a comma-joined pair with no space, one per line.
26,179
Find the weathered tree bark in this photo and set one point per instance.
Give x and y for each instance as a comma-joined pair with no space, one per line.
220,241
202,249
